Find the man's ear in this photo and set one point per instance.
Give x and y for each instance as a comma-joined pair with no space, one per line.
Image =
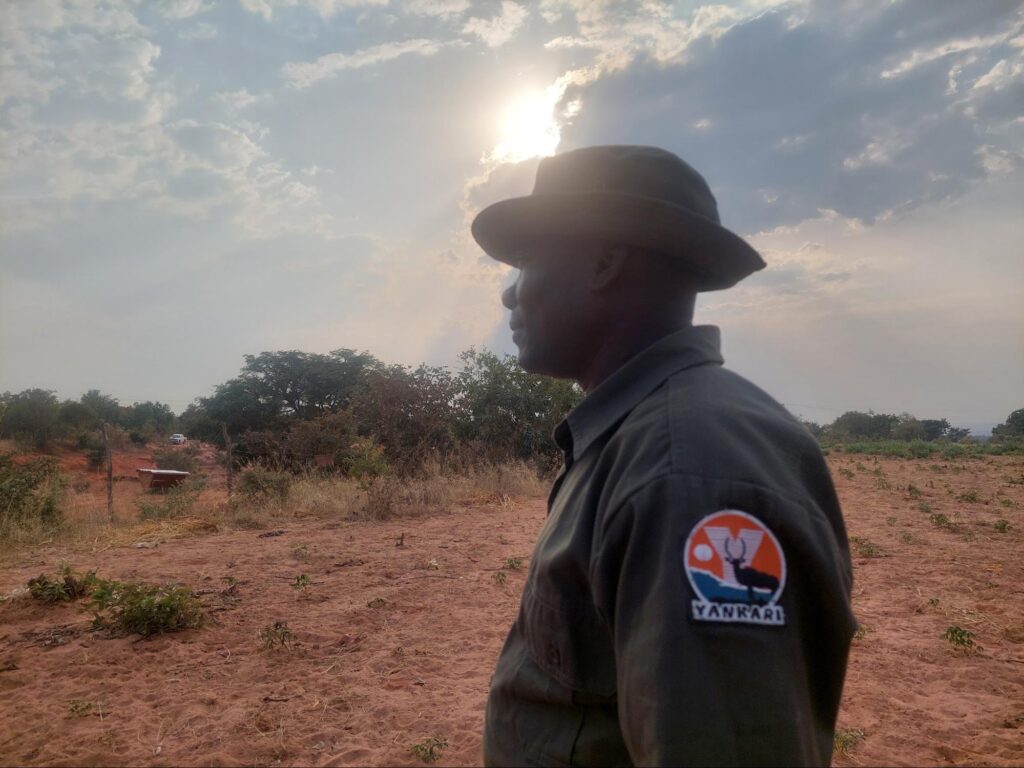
608,266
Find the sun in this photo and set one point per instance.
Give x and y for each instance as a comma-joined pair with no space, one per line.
528,127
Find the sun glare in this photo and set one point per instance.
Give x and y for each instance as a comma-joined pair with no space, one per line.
528,127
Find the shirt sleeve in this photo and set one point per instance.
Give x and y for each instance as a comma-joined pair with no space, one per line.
702,677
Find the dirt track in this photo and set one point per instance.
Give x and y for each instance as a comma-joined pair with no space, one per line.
364,680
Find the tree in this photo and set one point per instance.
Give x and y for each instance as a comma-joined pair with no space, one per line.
412,414
105,407
78,418
508,412
855,425
935,428
34,416
907,428
1012,427
148,417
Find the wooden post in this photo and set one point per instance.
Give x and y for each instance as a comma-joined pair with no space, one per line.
110,475
231,461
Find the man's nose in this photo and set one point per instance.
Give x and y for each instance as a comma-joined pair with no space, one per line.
508,297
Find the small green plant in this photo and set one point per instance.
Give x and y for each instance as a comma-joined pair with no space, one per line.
143,609
429,750
1001,525
865,548
906,537
377,602
847,473
302,582
845,739
925,507
276,635
862,632
1007,502
67,587
261,484
933,602
961,638
500,578
890,520
970,497
913,491
883,485
177,502
860,466
79,708
939,520
300,552
513,563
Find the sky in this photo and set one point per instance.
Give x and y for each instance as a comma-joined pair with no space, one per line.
189,181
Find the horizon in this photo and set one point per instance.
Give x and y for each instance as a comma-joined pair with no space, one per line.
190,182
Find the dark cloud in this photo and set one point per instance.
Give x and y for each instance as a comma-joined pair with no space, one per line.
800,118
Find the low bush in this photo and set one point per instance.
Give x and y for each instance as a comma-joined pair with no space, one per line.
132,608
64,588
261,484
177,502
181,459
31,493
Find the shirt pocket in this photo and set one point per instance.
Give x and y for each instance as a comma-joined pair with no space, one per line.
572,646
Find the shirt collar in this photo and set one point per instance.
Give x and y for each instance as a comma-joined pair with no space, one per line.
621,392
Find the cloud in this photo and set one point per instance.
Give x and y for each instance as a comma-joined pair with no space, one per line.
303,74
437,8
236,100
183,9
326,9
497,31
201,31
837,134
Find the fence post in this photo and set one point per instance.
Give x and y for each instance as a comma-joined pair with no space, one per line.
110,474
231,461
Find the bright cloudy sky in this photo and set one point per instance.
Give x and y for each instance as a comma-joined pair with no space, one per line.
187,181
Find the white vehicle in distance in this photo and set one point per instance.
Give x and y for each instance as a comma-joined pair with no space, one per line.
178,439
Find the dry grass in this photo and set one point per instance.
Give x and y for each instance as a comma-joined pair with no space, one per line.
87,525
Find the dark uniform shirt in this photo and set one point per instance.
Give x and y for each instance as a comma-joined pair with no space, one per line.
688,599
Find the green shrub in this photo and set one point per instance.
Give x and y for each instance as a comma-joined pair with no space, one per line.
180,459
961,638
429,750
66,587
276,635
845,739
128,607
262,484
864,547
30,492
177,502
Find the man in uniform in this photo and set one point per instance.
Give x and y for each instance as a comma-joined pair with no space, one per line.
688,599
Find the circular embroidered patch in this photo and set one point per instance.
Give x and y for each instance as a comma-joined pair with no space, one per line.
737,570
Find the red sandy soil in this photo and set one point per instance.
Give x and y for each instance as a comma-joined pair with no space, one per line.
364,680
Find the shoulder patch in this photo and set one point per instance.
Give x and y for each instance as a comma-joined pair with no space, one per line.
737,570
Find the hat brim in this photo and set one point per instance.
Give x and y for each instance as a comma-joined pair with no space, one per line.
716,257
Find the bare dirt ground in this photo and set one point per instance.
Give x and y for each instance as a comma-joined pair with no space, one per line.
396,638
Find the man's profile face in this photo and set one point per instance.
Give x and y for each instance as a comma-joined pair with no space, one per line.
550,304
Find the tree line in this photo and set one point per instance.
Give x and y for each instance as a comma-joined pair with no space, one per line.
289,408
292,409
859,426
38,418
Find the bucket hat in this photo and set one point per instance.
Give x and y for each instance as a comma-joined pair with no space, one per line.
630,195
